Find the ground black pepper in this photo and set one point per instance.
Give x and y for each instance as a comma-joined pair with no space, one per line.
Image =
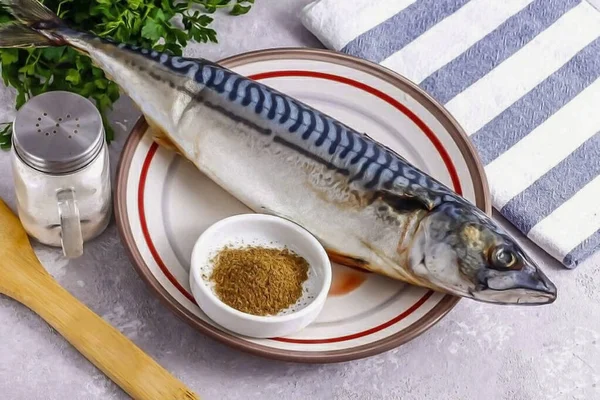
259,280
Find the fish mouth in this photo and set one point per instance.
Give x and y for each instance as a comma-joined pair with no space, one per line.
518,287
519,296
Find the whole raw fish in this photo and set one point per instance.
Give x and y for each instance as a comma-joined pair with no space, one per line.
368,206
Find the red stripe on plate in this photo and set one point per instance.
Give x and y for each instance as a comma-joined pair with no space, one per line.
144,225
357,335
428,132
388,99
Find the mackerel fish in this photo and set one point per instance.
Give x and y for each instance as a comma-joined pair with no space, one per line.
367,205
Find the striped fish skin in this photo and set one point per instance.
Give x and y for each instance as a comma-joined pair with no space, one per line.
277,155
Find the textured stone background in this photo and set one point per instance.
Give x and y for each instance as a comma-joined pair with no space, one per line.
477,352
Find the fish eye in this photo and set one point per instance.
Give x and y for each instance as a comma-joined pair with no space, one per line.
503,258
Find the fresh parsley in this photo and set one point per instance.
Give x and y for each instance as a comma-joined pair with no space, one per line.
164,25
5,134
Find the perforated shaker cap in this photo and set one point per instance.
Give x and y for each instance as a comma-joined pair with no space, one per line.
58,132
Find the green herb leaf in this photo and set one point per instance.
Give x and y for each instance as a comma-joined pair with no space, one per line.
152,30
9,56
181,38
134,4
73,76
101,83
20,100
81,63
164,25
97,72
87,90
108,129
5,135
159,15
239,9
53,53
10,75
43,71
104,102
113,91
28,69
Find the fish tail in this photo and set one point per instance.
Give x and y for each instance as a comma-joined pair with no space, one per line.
35,25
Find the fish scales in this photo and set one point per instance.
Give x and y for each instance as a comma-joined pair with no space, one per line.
320,130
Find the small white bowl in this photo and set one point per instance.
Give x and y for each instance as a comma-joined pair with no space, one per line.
268,231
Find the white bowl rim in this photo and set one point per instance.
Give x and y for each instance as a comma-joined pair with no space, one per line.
307,236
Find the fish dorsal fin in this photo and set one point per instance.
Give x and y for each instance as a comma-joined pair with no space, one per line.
403,203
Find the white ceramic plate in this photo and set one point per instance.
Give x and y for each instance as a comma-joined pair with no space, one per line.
163,203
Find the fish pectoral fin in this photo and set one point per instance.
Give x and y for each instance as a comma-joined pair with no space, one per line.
160,137
402,203
348,261
361,265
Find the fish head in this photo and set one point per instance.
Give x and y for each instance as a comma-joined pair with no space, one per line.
463,251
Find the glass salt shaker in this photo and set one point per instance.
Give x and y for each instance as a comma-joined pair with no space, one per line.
61,170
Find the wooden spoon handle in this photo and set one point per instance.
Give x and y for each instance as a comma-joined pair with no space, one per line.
107,348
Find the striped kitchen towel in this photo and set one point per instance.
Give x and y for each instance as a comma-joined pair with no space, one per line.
523,79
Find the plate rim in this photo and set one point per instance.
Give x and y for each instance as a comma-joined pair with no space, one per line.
428,320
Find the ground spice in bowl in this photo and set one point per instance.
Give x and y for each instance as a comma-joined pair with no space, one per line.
258,280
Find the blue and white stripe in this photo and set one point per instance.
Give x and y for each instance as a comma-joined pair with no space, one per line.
521,76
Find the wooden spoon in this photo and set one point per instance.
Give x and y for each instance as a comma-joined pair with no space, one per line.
23,278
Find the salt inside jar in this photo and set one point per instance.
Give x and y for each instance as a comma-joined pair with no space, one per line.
61,170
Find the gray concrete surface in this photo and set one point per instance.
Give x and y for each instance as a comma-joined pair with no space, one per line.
477,352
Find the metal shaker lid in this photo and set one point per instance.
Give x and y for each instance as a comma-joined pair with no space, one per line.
58,132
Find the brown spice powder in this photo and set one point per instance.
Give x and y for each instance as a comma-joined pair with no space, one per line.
259,280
